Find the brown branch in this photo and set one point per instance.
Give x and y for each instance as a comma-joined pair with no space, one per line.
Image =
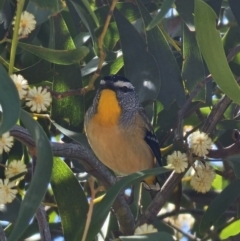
43,224
61,95
188,235
181,112
92,165
211,119
226,152
161,198
2,234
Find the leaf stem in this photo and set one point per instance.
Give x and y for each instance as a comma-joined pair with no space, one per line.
20,4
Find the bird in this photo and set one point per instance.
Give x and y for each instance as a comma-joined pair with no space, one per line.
119,132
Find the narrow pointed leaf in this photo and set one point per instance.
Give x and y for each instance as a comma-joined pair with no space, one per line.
71,200
63,57
166,5
193,66
171,82
101,209
40,179
219,205
9,100
139,65
210,44
78,137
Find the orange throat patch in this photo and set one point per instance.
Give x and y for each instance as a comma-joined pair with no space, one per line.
108,111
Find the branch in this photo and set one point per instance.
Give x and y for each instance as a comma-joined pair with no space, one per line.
43,224
2,234
216,113
92,165
161,198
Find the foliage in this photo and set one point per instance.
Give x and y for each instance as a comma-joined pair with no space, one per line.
184,62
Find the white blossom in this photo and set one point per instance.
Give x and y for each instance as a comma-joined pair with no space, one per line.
21,84
14,168
27,23
200,143
178,161
144,229
6,142
203,177
38,99
7,194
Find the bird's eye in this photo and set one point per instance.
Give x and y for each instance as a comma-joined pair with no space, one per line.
124,89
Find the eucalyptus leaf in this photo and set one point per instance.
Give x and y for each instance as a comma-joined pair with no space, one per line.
101,209
139,65
9,101
71,200
166,5
210,44
61,57
40,179
219,205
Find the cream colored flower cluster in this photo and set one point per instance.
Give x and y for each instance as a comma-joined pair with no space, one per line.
37,98
199,144
8,189
27,24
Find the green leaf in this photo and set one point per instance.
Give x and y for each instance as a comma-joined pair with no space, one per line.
219,205
40,179
41,14
1,4
9,100
63,57
150,236
193,66
90,11
71,109
171,81
210,44
71,200
101,209
185,8
78,137
235,5
234,162
54,5
88,22
166,5
230,40
139,65
228,125
230,230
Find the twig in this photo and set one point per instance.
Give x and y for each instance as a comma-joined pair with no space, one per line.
61,95
198,87
181,112
192,212
90,210
216,113
2,234
188,235
233,52
43,224
161,198
20,5
102,54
